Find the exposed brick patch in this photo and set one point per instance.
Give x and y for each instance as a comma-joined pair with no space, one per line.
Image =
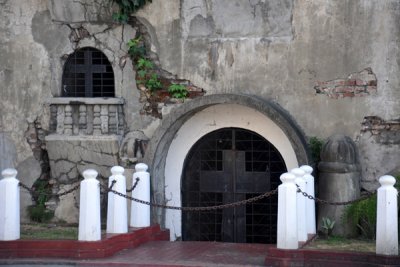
377,125
385,132
357,84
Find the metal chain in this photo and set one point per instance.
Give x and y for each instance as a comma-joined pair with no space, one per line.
107,189
134,186
335,203
222,206
32,191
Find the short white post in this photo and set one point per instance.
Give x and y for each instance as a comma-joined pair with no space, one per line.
287,213
387,242
9,206
89,211
301,205
140,213
310,203
117,208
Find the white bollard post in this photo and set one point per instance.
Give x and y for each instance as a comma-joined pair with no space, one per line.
117,208
301,205
89,210
387,242
287,213
9,206
310,203
140,213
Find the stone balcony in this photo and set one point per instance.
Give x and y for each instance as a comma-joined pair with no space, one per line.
83,133
86,116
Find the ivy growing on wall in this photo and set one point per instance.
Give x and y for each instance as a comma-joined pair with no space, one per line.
127,7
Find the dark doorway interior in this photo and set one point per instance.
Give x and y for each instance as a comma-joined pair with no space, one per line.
225,166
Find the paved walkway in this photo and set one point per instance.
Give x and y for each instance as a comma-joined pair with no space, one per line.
167,254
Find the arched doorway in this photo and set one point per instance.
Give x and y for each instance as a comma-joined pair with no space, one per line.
181,129
224,166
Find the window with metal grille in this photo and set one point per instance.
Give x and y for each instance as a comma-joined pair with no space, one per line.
88,73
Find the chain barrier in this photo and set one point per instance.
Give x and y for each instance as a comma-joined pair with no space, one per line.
33,191
334,203
222,206
134,185
107,189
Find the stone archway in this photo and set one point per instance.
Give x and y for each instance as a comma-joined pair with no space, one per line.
187,124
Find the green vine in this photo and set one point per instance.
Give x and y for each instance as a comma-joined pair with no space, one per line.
127,7
179,91
146,73
39,212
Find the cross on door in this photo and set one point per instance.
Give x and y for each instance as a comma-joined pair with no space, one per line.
88,69
234,182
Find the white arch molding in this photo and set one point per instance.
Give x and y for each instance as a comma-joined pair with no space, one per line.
205,121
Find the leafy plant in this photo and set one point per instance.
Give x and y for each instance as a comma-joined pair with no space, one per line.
127,7
362,215
327,225
179,91
142,74
136,48
315,145
144,64
153,83
39,212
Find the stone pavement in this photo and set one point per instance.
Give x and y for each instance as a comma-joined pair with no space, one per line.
166,254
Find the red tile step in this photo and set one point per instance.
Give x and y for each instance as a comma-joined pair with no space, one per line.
107,246
327,258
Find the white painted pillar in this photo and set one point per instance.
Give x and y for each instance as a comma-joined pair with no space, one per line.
117,208
287,213
89,210
387,242
310,203
9,206
140,213
301,205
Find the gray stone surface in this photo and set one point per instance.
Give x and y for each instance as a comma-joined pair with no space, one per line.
69,157
339,181
8,153
276,50
28,172
80,11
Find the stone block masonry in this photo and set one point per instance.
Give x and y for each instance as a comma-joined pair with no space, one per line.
357,84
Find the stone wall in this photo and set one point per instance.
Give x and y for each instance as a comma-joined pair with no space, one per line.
330,64
294,52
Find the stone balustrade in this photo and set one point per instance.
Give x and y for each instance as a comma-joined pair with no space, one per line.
86,116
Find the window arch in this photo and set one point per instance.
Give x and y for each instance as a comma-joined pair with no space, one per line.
88,73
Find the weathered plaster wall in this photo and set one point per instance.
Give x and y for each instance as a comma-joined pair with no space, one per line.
23,82
299,44
283,50
36,38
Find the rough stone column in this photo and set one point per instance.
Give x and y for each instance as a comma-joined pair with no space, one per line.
339,180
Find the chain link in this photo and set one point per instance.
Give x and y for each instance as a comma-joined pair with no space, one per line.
32,191
334,203
134,186
222,206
